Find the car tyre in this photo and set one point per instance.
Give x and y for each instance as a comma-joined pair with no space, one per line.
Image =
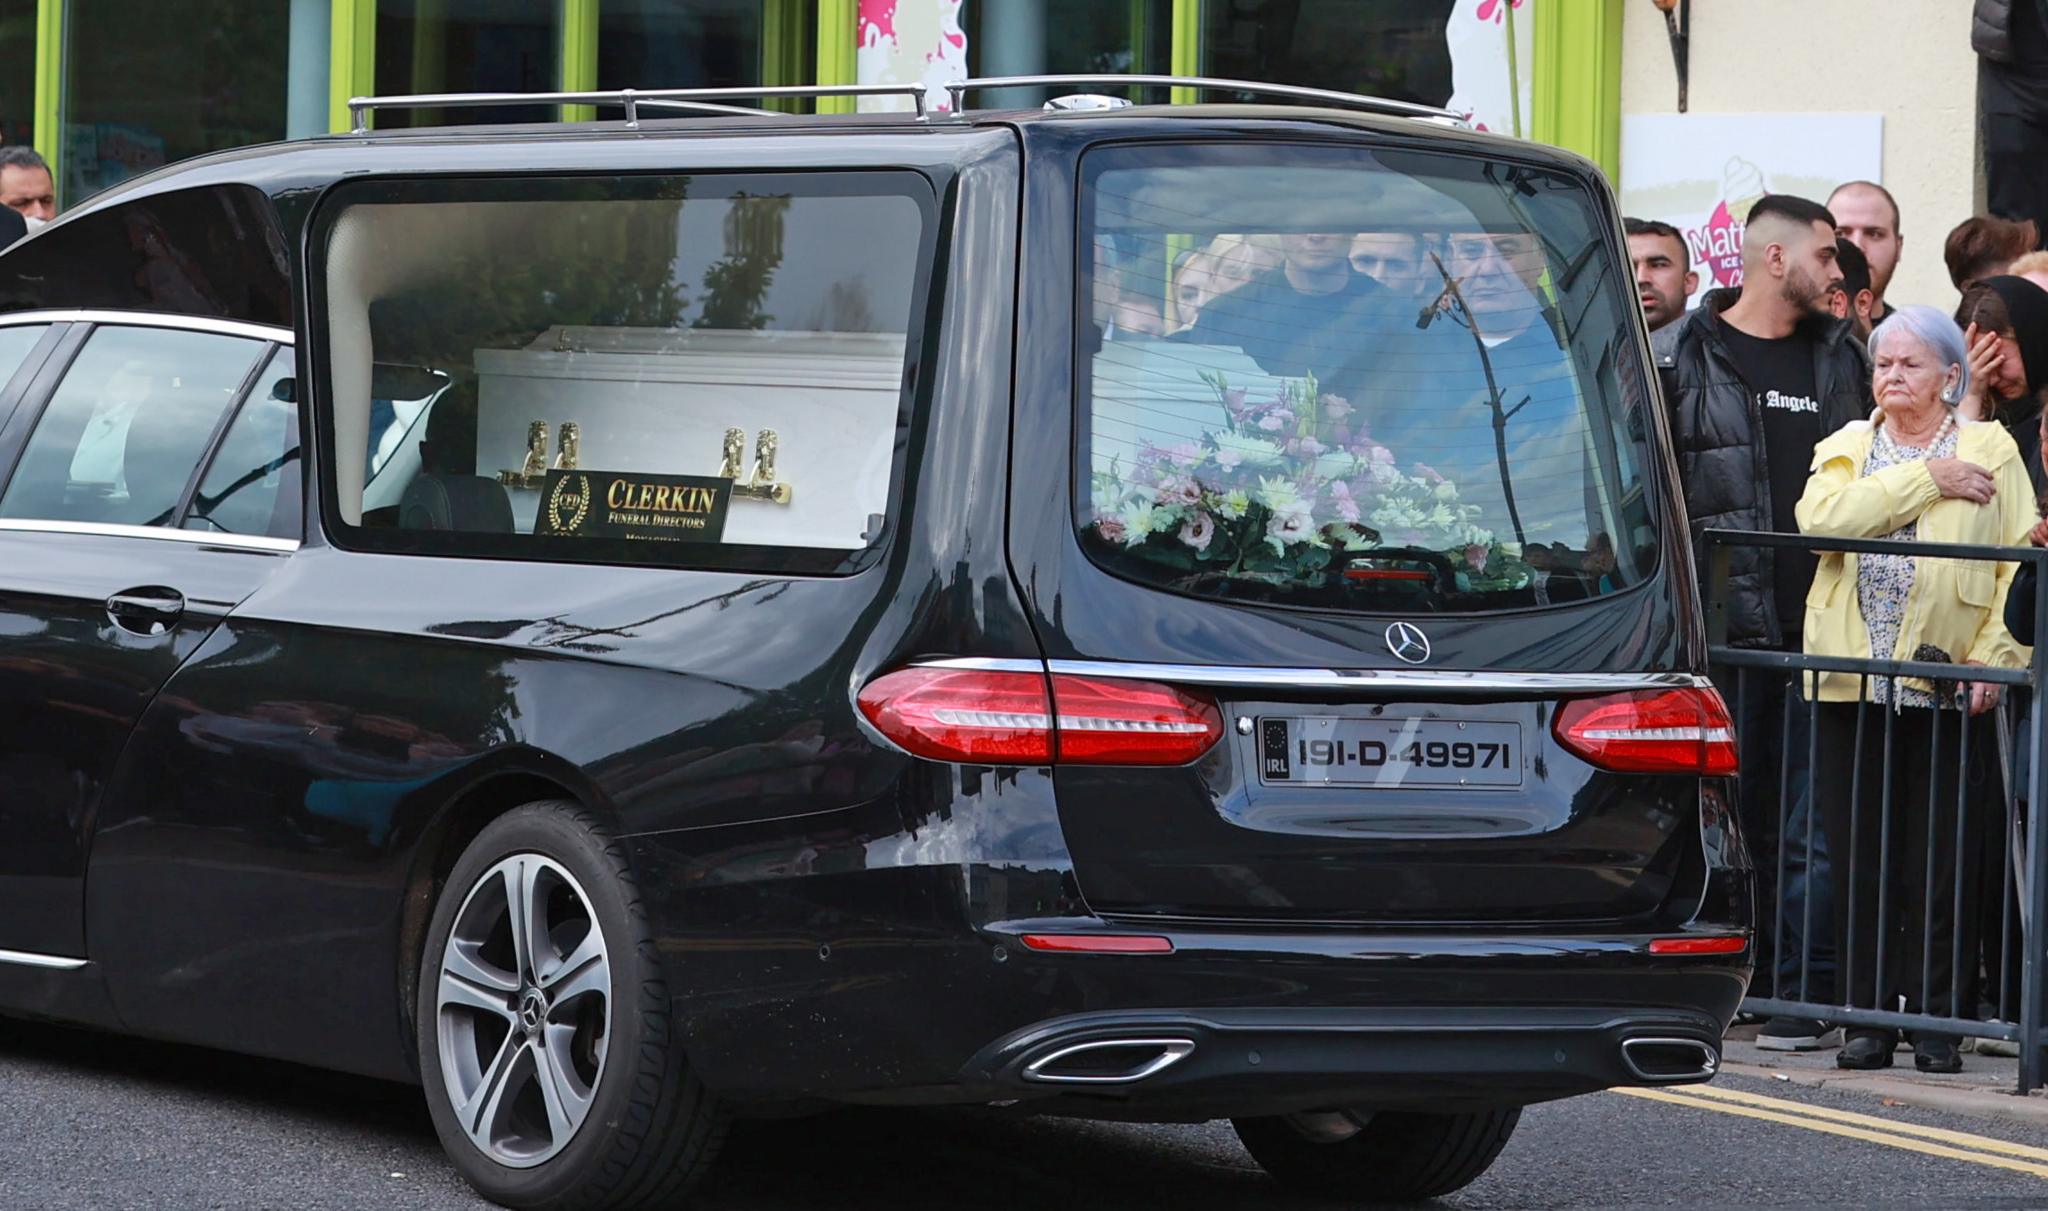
1387,1157
594,1105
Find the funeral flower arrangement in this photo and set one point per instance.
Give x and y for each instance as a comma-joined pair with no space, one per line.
1291,490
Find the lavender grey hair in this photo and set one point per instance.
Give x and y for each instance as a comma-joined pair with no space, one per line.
1932,328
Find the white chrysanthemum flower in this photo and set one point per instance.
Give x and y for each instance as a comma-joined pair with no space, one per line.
1251,451
1139,521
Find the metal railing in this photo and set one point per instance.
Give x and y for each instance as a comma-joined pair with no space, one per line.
718,100
632,100
1970,963
1291,92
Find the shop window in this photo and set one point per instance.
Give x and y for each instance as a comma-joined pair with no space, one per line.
444,46
1064,37
146,84
1382,48
18,86
704,371
662,44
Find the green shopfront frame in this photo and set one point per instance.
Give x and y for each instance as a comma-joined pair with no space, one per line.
1574,75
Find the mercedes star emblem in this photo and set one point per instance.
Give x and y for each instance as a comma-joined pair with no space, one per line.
1407,642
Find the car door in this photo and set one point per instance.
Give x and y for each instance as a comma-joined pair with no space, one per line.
124,539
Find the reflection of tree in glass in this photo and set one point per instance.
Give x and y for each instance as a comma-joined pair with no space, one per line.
845,308
599,261
736,287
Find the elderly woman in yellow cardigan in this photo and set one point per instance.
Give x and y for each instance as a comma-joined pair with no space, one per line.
1915,470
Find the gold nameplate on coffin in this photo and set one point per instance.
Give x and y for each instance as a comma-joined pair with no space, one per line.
634,505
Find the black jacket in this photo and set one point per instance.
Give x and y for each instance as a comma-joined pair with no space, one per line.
1716,430
1991,28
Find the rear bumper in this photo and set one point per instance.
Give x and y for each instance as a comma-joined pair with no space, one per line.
953,1012
1200,1064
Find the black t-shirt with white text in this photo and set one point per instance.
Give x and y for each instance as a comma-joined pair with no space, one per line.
1779,374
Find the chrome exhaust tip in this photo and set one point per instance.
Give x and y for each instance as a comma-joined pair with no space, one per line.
1108,1061
1661,1061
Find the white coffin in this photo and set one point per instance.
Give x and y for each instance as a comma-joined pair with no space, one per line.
659,401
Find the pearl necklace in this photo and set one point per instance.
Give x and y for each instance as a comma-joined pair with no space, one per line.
1948,422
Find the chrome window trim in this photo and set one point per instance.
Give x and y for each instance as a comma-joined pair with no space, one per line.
151,319
1426,680
247,542
23,958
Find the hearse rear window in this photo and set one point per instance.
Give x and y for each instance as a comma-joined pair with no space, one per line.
702,371
1348,378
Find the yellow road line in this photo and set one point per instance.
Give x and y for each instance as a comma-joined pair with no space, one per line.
1962,1139
1842,1129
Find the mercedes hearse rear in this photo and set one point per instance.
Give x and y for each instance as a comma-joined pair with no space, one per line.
1373,657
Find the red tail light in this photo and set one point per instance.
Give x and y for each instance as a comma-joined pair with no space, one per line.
1007,718
1100,943
1684,731
1727,944
1106,722
997,718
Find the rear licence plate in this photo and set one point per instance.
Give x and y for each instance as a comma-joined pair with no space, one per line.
1328,751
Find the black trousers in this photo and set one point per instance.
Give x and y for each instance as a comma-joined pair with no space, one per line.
1891,802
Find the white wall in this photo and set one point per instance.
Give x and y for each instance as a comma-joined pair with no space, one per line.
1908,59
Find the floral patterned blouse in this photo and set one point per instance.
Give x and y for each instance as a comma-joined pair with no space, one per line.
1883,581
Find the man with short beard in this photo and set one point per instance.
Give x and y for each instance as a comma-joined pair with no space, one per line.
1663,269
1867,216
1754,377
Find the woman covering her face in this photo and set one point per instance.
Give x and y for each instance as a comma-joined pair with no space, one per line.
2005,326
1915,471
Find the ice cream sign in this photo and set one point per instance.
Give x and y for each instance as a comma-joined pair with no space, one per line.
1716,245
1701,173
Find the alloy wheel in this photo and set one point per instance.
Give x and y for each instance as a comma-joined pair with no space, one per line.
523,1011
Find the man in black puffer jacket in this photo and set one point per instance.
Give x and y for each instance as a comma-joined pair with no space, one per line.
1753,379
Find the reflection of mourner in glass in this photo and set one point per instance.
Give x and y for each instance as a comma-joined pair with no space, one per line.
1480,373
1394,259
1310,315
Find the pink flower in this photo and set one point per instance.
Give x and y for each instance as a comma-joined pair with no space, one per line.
1178,490
1270,422
1475,555
1233,400
1110,526
1347,508
1379,454
1428,472
1228,459
1335,407
1197,530
1495,11
1187,453
1307,447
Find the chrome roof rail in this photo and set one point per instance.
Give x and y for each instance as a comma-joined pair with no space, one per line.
701,100
1320,96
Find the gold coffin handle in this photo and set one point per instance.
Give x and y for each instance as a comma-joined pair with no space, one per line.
761,483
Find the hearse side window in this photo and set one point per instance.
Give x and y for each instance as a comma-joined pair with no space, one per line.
706,371
127,426
252,484
17,341
1356,379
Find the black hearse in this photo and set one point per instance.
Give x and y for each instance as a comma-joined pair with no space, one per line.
1161,612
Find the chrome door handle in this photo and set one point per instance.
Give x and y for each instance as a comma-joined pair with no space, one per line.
148,610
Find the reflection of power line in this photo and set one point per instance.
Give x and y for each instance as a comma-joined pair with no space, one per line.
1494,399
